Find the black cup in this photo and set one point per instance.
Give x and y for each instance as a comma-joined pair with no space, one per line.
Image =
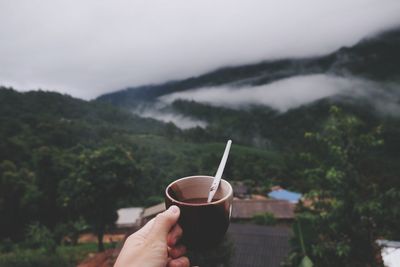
204,224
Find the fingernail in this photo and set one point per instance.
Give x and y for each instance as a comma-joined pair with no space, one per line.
174,209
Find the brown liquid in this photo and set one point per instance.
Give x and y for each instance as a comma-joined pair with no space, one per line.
200,200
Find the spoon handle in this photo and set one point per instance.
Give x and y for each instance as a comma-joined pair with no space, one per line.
217,178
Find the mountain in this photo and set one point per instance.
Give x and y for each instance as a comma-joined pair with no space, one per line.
37,118
375,58
369,71
57,130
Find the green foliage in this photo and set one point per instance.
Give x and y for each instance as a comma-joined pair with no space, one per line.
64,256
18,194
61,159
64,159
68,232
306,262
31,258
103,177
153,200
39,236
6,245
266,218
348,211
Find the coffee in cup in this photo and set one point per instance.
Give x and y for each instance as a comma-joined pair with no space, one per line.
204,224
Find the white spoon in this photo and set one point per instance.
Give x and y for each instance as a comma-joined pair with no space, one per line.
217,178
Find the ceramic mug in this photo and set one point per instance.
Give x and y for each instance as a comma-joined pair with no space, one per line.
204,224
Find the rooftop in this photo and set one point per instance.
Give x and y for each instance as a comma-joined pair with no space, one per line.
128,216
259,246
246,209
279,193
153,210
390,252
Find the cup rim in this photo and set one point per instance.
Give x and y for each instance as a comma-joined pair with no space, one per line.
230,192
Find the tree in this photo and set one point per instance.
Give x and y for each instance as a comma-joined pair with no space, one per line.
350,206
103,177
18,199
51,166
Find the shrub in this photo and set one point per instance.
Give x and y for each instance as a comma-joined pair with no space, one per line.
266,218
39,236
33,258
6,245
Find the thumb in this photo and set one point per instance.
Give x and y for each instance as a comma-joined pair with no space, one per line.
164,222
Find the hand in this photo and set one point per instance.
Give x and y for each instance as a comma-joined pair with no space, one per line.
155,244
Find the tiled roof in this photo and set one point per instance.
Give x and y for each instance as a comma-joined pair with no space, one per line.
390,252
128,216
246,209
284,194
259,246
153,210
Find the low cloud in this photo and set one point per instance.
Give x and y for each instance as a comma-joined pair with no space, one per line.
296,91
383,97
181,121
281,95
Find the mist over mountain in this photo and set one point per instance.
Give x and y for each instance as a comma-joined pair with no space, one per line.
375,58
367,73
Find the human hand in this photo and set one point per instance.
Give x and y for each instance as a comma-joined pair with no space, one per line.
155,244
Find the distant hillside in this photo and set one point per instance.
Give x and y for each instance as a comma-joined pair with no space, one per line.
375,58
37,122
46,139
40,118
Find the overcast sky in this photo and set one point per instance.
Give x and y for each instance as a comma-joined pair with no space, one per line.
86,48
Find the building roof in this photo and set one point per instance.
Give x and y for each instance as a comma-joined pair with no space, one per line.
246,209
128,216
258,197
390,252
243,208
258,246
285,195
153,210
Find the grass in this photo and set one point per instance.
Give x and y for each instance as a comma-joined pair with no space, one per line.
64,256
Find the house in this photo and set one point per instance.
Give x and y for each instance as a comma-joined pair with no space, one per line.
127,223
258,245
151,212
246,209
279,193
128,217
390,252
242,209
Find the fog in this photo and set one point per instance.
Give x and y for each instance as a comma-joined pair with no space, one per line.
86,48
297,91
286,93
181,121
